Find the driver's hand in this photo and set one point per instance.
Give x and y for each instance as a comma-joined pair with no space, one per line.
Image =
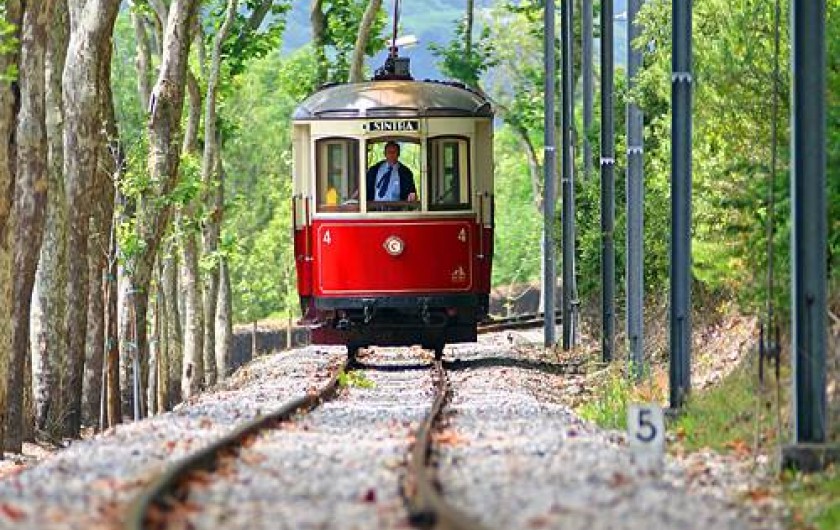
411,196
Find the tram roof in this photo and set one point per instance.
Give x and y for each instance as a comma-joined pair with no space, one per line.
393,98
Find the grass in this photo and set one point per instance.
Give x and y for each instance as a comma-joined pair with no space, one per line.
726,417
615,389
723,418
355,379
814,499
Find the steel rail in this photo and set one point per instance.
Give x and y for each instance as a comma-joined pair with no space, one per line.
160,492
525,320
425,504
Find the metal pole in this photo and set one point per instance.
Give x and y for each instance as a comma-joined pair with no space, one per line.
607,185
680,310
569,287
809,233
635,201
549,167
586,49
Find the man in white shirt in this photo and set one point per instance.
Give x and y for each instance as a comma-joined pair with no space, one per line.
389,180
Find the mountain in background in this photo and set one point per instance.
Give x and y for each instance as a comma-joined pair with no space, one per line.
433,21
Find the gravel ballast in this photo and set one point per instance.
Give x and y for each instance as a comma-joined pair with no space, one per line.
510,452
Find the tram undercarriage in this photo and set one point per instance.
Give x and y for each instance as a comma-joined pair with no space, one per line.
428,321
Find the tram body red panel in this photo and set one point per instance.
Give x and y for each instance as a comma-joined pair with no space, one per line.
303,262
367,257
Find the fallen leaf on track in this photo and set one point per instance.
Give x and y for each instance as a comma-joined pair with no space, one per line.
11,512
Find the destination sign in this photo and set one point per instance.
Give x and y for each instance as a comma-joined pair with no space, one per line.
394,126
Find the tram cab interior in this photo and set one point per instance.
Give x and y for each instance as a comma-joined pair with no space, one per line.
440,166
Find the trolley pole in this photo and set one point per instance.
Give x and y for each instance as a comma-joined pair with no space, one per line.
635,202
549,189
808,237
607,185
680,307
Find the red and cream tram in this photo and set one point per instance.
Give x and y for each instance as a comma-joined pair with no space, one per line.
393,272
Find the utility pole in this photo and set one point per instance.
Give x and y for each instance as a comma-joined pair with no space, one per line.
550,171
680,310
808,239
607,185
569,287
635,203
586,51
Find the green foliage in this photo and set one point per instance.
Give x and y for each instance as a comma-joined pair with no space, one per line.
724,417
257,232
8,43
131,116
832,27
344,18
133,183
354,378
814,498
262,273
518,224
246,42
608,407
733,63
456,63
130,244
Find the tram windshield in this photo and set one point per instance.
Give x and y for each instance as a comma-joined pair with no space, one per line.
393,169
396,172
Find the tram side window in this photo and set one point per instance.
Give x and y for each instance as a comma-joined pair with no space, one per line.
449,175
337,174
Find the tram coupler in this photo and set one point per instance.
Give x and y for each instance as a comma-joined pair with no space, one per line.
370,311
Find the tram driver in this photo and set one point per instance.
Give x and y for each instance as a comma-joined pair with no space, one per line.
390,180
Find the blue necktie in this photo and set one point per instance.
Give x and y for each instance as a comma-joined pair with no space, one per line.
384,180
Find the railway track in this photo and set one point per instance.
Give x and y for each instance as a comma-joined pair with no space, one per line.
164,503
425,503
525,320
420,487
169,489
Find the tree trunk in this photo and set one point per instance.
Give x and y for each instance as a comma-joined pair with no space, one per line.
190,144
193,368
112,351
165,107
8,106
161,11
154,354
224,327
210,177
162,340
289,344
108,172
48,340
319,33
174,337
126,341
357,62
91,26
143,60
29,206
30,190
254,340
